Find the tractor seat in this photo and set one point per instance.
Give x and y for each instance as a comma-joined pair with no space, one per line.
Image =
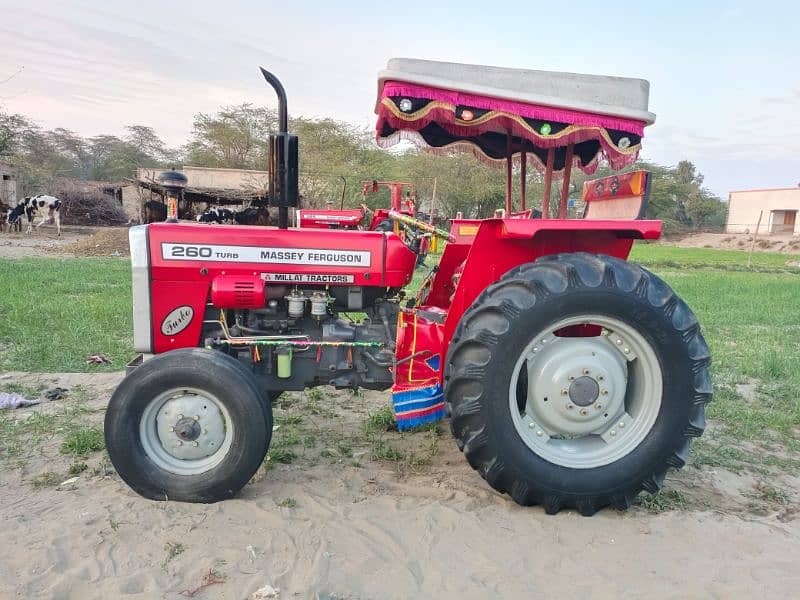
618,197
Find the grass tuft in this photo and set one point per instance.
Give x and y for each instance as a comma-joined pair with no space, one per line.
81,442
46,480
663,501
171,550
382,420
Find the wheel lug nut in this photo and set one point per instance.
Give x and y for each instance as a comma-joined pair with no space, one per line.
180,416
569,406
564,392
619,342
532,425
605,392
571,377
196,444
197,417
178,443
626,350
584,412
598,406
586,371
621,424
172,429
613,433
600,378
540,433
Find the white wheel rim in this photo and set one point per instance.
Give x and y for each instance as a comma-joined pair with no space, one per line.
186,431
590,401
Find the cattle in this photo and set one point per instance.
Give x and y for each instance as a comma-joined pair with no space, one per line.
217,215
252,216
154,211
31,206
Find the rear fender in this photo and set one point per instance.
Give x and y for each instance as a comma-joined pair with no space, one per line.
502,244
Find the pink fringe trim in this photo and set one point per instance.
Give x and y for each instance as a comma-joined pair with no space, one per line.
618,162
408,131
532,111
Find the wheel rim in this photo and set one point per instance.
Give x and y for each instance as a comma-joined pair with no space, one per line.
585,402
186,431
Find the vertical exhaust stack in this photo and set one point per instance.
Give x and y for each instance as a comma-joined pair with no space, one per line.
283,158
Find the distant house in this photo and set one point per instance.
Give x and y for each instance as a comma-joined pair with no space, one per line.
206,185
778,209
8,184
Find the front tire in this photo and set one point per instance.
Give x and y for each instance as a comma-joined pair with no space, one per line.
577,381
188,425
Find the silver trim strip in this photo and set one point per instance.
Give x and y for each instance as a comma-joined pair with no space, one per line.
140,279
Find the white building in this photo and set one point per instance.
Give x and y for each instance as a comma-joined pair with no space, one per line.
777,208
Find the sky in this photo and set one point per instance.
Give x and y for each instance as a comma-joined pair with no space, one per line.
723,77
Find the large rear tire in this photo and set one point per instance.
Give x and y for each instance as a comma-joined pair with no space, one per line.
188,425
577,381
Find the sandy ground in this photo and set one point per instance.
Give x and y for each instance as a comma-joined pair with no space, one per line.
783,243
113,241
372,531
74,241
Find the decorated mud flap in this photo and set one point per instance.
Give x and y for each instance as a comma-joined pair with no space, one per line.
417,395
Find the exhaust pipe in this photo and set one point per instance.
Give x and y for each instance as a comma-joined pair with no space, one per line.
283,158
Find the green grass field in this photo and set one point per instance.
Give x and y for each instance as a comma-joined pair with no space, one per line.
55,312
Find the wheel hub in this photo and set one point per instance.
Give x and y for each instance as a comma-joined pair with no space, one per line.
190,426
587,401
187,429
584,391
576,386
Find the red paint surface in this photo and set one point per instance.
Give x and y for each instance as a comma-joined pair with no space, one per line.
177,283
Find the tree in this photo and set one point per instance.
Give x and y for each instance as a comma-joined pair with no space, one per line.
234,137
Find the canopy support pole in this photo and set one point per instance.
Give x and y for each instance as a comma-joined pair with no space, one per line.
562,206
548,181
509,165
523,181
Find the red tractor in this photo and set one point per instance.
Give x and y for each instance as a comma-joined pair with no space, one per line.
374,220
572,378
355,218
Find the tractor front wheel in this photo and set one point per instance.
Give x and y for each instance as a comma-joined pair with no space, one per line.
188,425
577,381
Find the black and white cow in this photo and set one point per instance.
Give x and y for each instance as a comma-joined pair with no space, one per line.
216,215
31,205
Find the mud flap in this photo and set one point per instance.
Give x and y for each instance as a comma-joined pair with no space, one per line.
417,391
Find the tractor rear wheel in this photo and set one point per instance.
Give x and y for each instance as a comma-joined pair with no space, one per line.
577,381
188,425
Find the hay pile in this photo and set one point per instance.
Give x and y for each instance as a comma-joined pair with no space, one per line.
111,241
82,206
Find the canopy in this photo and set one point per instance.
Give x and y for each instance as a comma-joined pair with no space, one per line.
499,113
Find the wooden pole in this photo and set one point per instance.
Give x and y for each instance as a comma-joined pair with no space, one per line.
523,181
508,174
755,237
562,206
548,181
